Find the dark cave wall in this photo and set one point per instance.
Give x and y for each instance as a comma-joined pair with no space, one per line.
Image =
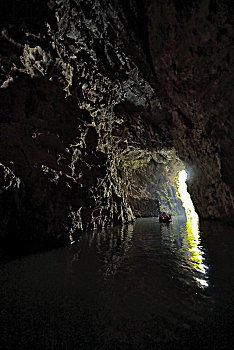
101,103
57,120
52,153
192,53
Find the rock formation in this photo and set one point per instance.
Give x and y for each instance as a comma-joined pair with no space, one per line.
102,103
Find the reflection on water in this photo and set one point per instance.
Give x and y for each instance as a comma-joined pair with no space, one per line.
186,238
193,234
111,246
197,255
125,287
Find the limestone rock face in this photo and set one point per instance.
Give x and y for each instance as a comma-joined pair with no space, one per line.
190,45
102,103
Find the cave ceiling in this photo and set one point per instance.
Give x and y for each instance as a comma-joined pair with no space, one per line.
103,102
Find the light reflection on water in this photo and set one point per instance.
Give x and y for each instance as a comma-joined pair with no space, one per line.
125,287
192,227
186,238
141,266
197,255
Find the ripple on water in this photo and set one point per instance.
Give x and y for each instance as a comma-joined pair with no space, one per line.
128,287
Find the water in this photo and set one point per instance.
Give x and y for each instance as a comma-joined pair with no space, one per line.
142,286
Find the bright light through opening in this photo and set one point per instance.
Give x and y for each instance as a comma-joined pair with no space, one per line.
185,197
192,225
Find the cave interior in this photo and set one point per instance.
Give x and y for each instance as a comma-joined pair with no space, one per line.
102,104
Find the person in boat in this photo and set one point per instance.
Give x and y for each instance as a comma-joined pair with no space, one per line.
72,241
164,218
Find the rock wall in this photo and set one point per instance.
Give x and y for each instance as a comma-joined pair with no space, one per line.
191,50
101,103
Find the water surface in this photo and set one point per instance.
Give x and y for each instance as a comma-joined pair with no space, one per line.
142,286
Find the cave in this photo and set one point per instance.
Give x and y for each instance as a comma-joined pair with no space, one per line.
102,104
101,107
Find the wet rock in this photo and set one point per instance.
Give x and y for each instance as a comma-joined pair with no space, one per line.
102,103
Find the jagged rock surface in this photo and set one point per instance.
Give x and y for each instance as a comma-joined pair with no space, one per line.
102,102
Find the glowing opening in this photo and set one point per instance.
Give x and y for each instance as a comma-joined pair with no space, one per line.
185,197
192,225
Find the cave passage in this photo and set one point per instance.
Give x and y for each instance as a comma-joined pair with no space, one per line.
102,104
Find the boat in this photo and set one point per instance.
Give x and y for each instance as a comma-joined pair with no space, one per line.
165,218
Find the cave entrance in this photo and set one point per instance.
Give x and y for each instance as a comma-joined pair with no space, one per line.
184,195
